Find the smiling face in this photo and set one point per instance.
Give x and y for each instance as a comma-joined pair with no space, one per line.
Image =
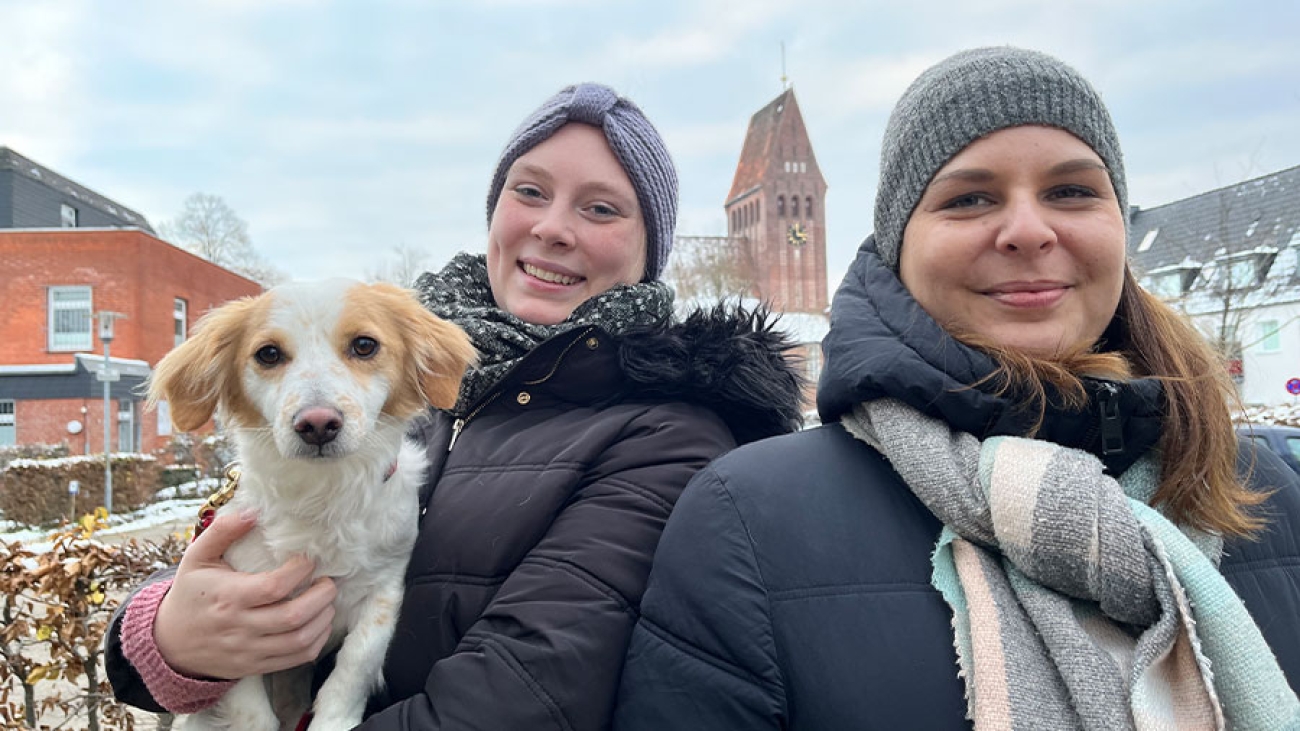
1019,239
566,228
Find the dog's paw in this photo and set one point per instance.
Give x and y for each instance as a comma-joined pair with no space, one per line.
324,723
236,720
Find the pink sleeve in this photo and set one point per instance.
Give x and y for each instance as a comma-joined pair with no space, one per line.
173,691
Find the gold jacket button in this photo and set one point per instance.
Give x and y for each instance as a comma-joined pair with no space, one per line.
593,343
523,398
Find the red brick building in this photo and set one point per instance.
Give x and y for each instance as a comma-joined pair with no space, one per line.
776,219
776,209
52,283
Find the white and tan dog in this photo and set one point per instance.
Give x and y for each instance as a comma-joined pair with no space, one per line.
318,383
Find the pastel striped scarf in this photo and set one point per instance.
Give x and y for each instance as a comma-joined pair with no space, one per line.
1075,604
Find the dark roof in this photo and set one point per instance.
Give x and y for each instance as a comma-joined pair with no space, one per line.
757,157
1259,213
10,160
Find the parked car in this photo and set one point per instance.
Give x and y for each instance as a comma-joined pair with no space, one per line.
1284,441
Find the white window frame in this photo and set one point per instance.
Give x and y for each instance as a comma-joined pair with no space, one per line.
1243,273
70,342
1269,333
69,217
1167,285
180,310
126,426
8,422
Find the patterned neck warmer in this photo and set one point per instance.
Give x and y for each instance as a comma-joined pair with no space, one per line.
461,294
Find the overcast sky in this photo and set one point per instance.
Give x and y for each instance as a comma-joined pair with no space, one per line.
339,131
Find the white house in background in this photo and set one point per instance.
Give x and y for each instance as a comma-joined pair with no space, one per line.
1230,258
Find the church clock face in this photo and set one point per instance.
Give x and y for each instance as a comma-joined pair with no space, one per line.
796,235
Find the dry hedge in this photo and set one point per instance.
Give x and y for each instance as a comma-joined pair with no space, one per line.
35,492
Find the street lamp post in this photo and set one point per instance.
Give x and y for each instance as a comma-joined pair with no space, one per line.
107,375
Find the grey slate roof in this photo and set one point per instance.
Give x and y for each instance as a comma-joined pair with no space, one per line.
1259,213
18,165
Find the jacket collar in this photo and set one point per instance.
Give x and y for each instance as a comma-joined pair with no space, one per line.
728,359
883,344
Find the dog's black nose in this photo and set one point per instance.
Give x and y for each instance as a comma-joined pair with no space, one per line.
318,426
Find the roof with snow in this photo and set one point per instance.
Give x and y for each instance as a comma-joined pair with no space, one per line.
1256,215
1239,244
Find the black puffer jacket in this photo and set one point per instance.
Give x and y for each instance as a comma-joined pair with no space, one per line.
791,589
541,519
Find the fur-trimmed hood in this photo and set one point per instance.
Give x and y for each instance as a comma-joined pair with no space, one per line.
730,359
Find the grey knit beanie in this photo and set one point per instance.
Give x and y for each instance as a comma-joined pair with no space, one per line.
972,94
636,144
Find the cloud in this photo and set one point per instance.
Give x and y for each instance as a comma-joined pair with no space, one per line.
339,129
850,88
705,139
709,31
42,80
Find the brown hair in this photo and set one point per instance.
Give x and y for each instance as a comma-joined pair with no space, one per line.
1199,485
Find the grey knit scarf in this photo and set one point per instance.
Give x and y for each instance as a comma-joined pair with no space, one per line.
1076,605
461,294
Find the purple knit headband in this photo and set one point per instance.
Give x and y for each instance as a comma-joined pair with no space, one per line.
635,143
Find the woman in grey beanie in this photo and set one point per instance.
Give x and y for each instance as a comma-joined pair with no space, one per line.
551,478
1022,510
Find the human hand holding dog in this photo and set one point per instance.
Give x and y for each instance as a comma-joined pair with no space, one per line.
219,623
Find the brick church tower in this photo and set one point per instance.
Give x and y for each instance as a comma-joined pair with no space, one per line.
776,209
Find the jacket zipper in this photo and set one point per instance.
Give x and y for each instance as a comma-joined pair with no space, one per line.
460,423
1112,426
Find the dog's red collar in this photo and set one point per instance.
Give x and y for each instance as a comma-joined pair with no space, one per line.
229,484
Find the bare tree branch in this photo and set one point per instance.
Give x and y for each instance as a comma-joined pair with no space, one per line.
706,268
402,268
211,229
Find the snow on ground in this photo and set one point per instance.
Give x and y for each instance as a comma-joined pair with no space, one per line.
175,504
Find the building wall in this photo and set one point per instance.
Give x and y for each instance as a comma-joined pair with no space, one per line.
792,278
6,199
130,272
796,275
1265,373
46,422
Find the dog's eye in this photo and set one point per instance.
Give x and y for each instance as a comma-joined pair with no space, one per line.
364,347
268,355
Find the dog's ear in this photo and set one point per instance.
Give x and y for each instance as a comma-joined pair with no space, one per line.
439,351
444,354
192,377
